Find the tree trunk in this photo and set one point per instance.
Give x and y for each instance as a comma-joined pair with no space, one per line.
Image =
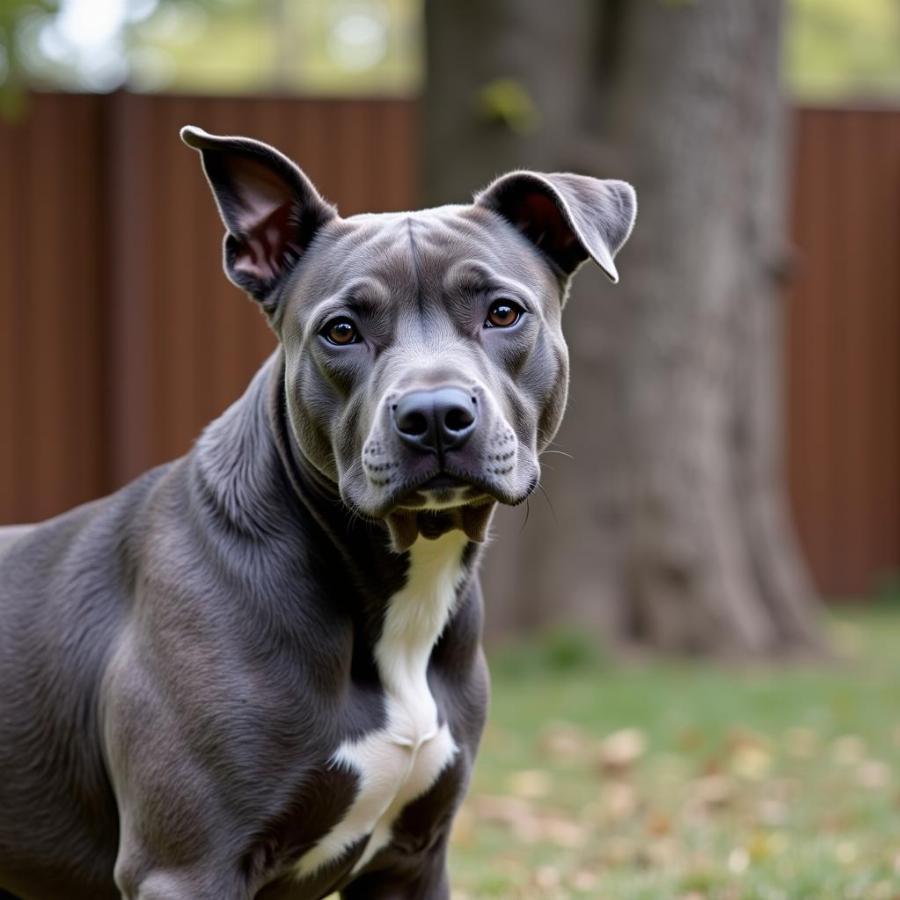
668,529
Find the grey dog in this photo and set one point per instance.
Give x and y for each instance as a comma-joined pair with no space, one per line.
257,671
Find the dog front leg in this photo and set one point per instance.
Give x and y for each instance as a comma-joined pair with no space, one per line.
423,878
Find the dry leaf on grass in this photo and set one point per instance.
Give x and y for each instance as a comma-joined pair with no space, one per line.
848,749
713,791
565,743
584,880
528,823
618,801
532,784
751,763
547,877
619,751
873,774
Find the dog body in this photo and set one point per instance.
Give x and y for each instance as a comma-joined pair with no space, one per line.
256,671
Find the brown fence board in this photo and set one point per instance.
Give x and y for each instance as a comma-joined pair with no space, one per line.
120,337
50,294
843,346
10,328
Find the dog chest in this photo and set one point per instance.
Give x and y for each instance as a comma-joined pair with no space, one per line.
399,762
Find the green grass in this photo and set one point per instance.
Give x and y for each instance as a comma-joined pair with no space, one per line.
719,784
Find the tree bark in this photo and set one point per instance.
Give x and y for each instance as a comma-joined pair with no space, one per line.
669,526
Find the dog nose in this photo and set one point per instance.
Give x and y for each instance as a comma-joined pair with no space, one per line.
436,420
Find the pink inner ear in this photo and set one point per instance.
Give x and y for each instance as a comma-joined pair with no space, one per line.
537,216
260,190
263,251
263,218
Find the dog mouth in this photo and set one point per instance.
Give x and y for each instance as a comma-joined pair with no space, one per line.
438,504
407,525
444,481
442,499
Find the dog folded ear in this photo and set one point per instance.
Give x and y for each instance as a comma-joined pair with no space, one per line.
270,209
569,218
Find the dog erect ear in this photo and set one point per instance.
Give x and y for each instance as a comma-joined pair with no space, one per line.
569,218
270,209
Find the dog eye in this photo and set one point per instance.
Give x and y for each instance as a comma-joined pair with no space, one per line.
503,314
340,331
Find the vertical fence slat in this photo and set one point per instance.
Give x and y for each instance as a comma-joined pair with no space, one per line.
11,439
133,287
843,346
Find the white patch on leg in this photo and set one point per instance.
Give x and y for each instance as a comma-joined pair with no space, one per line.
402,760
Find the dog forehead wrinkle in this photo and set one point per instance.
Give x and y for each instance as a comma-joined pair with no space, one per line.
353,249
468,238
414,253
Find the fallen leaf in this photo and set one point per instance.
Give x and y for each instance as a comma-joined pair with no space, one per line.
564,742
583,880
738,860
618,851
499,808
873,774
714,791
751,761
658,824
848,749
621,750
619,801
562,831
660,852
846,853
772,811
531,784
884,890
547,877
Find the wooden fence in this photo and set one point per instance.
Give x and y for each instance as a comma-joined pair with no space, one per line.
119,337
843,346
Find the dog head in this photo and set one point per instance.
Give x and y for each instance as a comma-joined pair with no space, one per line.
425,366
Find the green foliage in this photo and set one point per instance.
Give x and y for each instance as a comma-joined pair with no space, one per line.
507,102
838,50
12,14
316,47
309,47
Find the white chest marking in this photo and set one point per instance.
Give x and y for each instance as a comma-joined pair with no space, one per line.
402,760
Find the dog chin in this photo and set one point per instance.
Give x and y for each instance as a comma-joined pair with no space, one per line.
407,525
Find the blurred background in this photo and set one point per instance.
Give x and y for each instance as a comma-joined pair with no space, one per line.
696,623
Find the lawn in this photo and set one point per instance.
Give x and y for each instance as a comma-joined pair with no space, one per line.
688,781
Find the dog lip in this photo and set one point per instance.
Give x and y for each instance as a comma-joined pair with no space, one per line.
443,481
410,497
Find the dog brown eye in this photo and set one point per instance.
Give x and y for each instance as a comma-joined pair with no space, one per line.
341,331
503,314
